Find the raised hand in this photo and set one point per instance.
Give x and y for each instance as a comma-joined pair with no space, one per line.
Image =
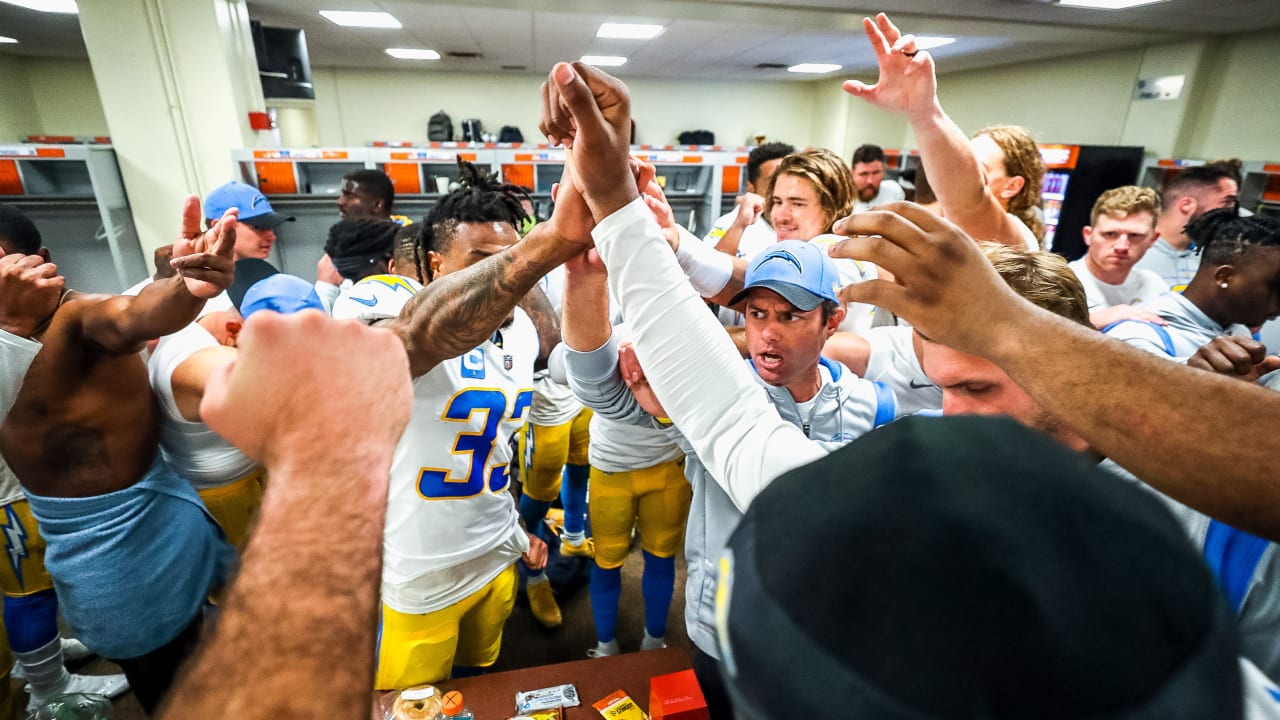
1235,356
589,112
30,290
944,285
908,83
206,261
571,220
291,369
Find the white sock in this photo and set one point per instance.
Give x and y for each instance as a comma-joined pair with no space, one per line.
606,649
574,539
538,579
44,670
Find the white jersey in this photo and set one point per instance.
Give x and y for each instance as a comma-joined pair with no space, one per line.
197,454
451,524
1140,286
893,361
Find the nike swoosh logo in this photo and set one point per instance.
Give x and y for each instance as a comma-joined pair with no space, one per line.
914,386
367,302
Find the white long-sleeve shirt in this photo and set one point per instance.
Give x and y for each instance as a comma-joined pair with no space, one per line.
692,365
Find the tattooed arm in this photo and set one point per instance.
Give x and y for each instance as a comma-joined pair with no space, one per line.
539,309
460,310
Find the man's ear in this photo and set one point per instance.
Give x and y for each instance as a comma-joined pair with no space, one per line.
434,262
1012,187
833,322
232,330
1223,274
1187,205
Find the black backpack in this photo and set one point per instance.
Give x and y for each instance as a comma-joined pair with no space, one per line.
697,137
510,134
472,130
440,127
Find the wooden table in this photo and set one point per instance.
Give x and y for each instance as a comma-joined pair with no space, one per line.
493,697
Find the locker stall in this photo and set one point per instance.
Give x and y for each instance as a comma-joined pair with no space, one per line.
1260,188
76,197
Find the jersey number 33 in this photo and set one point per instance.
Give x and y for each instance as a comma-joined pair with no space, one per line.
436,483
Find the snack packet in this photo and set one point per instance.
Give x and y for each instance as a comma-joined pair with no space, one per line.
620,706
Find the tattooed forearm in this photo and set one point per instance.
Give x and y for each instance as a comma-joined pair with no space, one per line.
545,321
458,311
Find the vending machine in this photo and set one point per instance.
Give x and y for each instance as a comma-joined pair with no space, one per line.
1075,175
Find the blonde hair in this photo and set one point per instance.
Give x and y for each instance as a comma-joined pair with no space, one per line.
1042,278
829,176
1124,201
1021,159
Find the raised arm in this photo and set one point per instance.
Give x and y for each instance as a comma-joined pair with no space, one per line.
30,289
693,368
121,324
460,310
1132,407
262,662
536,305
908,85
750,206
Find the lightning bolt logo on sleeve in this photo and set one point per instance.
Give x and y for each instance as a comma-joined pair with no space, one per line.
15,541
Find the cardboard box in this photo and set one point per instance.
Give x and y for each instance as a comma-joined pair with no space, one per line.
677,696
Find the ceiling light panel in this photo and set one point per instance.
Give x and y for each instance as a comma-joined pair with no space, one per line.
1106,4
413,54
604,60
813,68
50,6
360,19
629,31
5,40
929,42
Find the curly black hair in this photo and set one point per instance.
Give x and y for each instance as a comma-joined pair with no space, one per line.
482,197
1223,234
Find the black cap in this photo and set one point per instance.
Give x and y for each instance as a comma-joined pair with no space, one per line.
969,567
248,272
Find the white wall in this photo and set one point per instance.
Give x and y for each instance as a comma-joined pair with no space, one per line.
354,106
1080,99
1238,111
18,116
62,98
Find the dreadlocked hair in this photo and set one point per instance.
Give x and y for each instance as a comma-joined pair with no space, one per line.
1223,234
481,197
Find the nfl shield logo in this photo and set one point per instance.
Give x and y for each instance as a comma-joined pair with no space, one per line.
507,362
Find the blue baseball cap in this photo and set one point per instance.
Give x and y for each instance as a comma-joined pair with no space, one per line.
799,271
285,294
254,207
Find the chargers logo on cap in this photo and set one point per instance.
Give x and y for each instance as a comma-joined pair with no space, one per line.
782,255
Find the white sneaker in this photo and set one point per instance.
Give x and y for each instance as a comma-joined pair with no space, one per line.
111,686
652,643
604,649
72,650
